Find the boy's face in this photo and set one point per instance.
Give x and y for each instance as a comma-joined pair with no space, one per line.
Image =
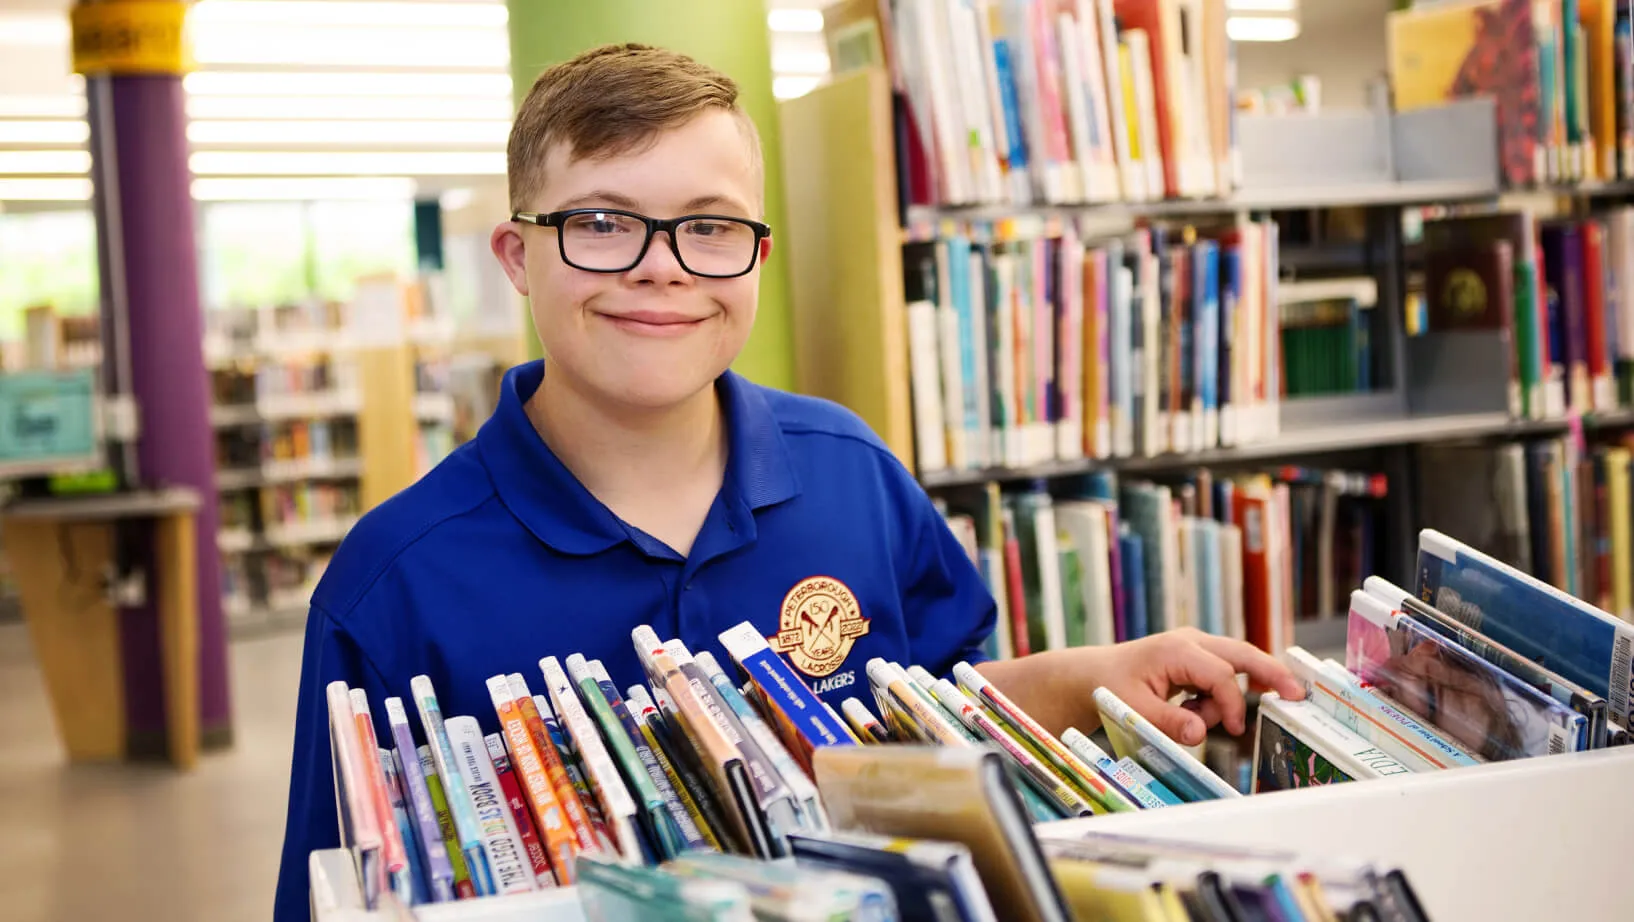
655,335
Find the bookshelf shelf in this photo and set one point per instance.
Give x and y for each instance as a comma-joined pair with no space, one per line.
1347,436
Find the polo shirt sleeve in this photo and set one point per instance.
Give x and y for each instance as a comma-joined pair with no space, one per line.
312,822
948,609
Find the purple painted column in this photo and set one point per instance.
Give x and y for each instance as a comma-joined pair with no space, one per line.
150,262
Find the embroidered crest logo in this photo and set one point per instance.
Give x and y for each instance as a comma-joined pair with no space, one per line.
819,623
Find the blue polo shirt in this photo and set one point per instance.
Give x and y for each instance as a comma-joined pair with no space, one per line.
499,556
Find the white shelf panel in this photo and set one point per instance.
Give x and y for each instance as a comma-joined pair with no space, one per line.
1543,838
310,469
317,531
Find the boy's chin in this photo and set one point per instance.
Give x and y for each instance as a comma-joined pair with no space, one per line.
650,391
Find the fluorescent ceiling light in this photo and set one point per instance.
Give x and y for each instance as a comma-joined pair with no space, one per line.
795,20
407,108
346,132
42,106
344,13
353,46
798,63
34,30
1261,29
55,132
1262,6
254,83
791,87
45,162
338,163
306,189
45,190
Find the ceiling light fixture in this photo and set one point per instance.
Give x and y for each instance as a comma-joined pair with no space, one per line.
487,134
346,163
44,162
1262,29
45,190
352,46
795,20
346,13
65,105
308,189
43,132
358,108
261,83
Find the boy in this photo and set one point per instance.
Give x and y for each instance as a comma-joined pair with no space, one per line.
630,478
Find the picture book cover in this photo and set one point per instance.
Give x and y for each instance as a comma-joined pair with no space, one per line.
1283,761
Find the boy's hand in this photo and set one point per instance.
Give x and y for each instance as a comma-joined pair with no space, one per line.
1147,672
1056,688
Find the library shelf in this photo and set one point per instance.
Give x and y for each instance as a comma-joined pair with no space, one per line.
1337,437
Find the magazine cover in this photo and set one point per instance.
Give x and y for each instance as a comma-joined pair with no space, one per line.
1283,761
1483,708
1557,631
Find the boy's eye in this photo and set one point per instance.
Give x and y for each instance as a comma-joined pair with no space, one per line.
708,228
600,224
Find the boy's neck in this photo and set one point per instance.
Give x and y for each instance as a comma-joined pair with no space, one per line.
620,454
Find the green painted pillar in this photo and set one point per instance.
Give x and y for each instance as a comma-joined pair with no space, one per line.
729,35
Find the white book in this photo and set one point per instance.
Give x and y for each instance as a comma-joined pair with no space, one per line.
512,870
1120,360
1103,180
1131,170
973,101
1284,722
1074,365
1335,690
1084,522
930,442
1049,575
1231,578
949,350
1140,61
982,451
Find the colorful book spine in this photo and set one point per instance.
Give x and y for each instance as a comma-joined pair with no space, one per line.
1145,779
1071,767
691,837
555,837
583,819
863,723
617,804
434,854
563,744
512,873
1060,795
1120,719
463,887
414,867
393,853
690,790
521,815
1126,784
459,800
798,713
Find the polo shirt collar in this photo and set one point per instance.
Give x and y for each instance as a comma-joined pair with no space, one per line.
551,502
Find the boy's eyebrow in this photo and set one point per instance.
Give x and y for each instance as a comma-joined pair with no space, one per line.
590,199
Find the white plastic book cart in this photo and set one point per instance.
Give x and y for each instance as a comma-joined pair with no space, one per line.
1547,838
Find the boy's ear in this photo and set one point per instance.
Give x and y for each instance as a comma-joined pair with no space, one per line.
765,249
509,249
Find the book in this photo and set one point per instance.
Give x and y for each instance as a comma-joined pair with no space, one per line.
468,833
512,872
951,794
1129,731
932,881
1297,744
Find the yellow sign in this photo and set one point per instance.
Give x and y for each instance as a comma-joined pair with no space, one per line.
137,37
819,624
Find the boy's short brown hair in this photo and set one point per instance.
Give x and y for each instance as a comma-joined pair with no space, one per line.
613,100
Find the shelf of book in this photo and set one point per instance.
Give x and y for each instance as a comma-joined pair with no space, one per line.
1542,838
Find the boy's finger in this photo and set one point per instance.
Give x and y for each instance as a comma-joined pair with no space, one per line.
1215,678
1263,670
1176,722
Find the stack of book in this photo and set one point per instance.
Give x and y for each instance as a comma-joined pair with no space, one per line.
712,799
1099,560
1555,295
1478,663
1558,70
1028,344
1040,101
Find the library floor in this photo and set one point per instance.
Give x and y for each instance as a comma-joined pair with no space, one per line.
143,842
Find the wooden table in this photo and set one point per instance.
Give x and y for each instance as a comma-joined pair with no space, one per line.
60,550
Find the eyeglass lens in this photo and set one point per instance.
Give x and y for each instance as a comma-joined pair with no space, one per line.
612,242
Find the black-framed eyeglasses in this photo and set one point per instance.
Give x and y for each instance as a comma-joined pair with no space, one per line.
611,240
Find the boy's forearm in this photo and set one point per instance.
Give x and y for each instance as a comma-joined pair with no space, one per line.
1054,688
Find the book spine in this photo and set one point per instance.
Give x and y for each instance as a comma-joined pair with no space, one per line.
1052,787
1111,771
690,791
439,872
690,837
521,816
461,876
414,867
1145,779
393,853
797,777
618,807
806,724
582,822
509,864
555,835
459,800
562,744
